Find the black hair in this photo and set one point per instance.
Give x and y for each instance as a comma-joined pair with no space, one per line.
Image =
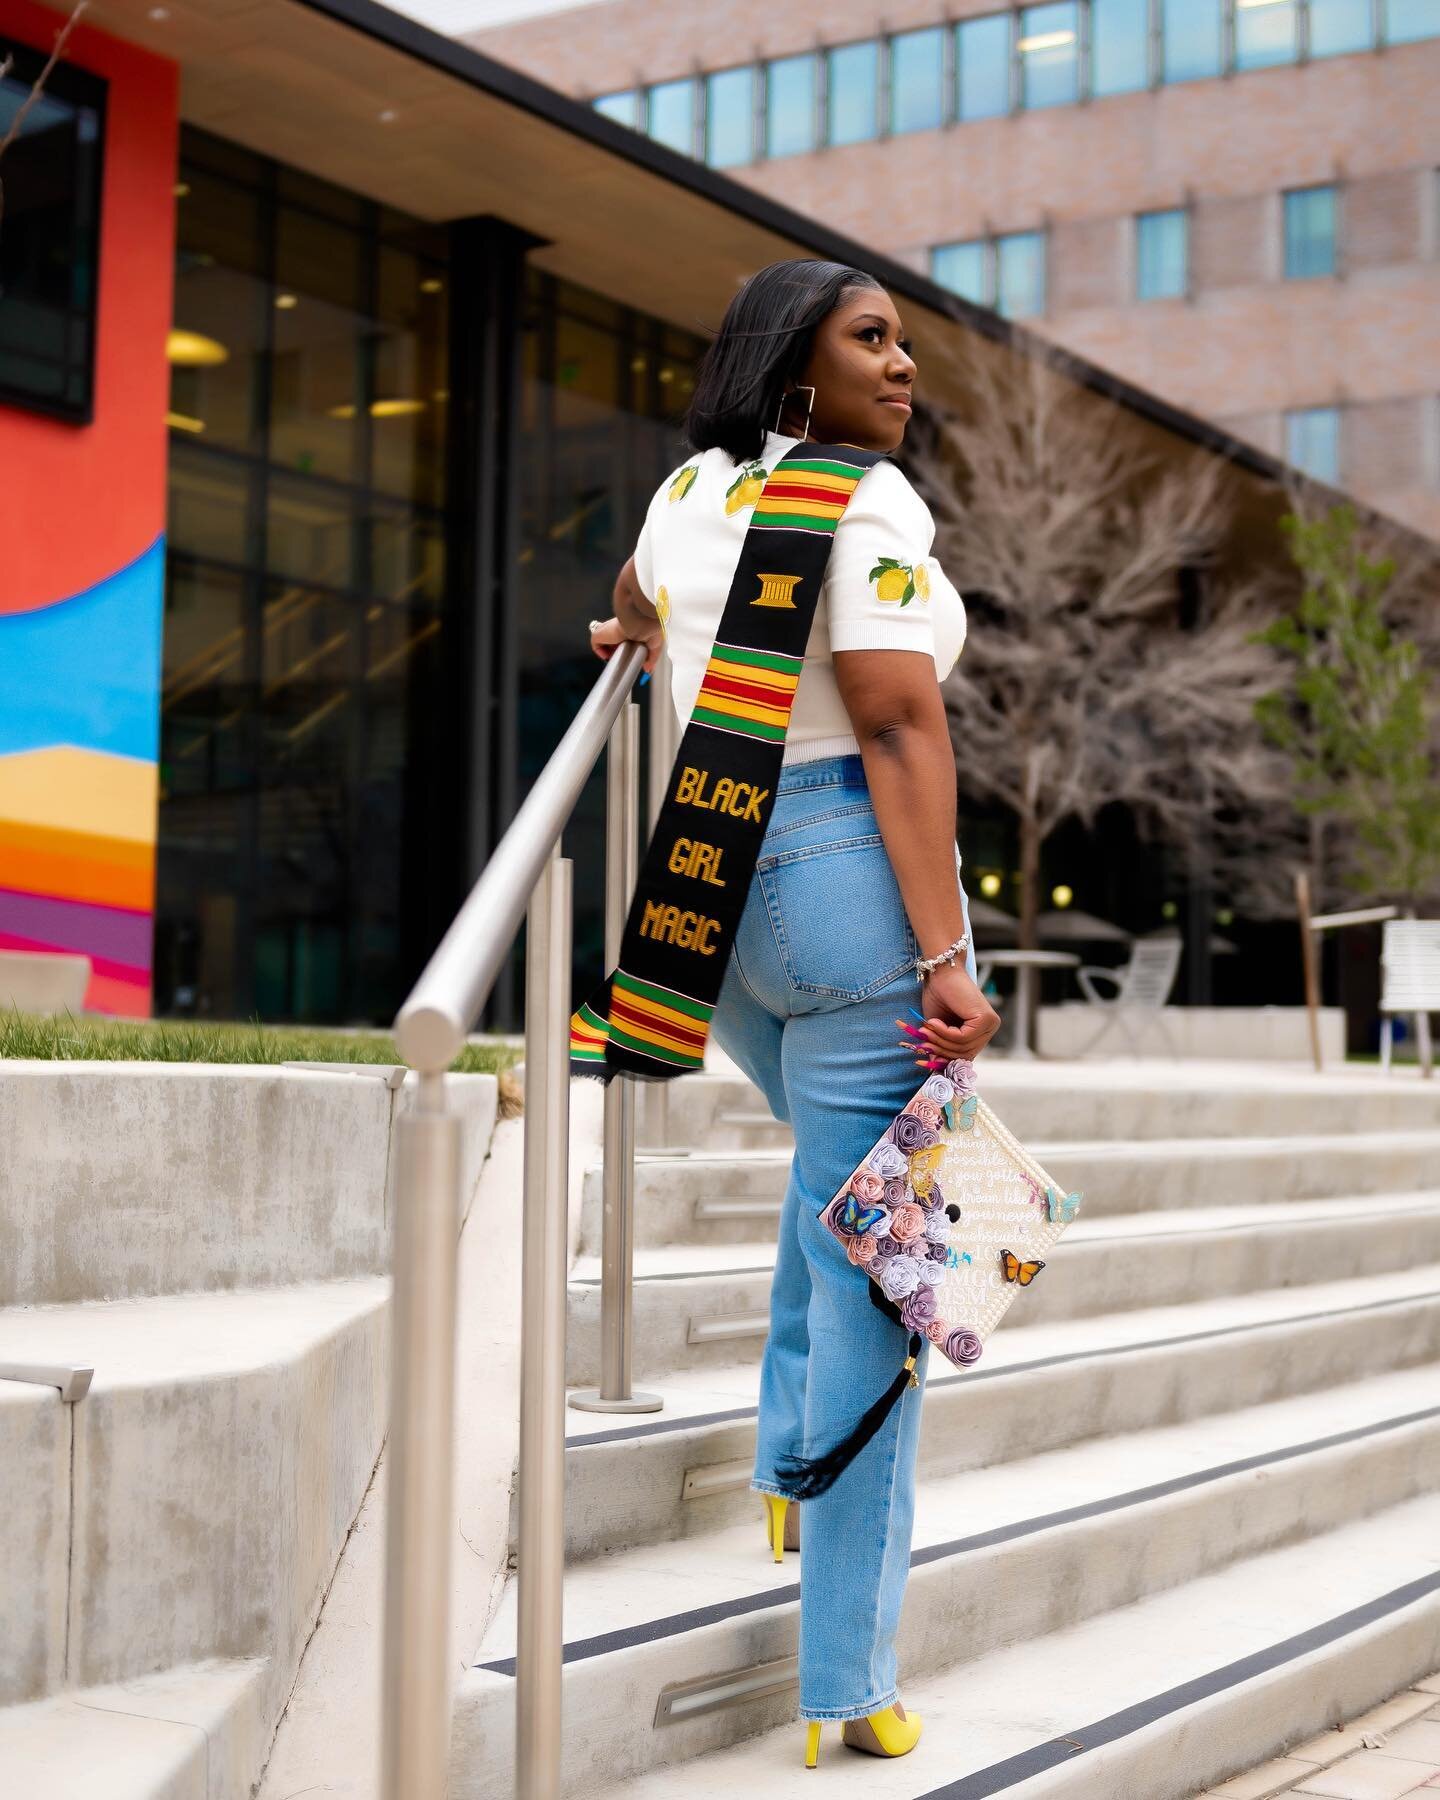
763,342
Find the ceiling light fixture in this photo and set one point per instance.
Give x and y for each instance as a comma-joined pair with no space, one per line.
286,302
193,350
432,285
183,422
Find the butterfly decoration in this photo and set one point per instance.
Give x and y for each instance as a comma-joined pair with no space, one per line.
1015,1270
954,1257
924,1165
962,1117
1062,1209
857,1219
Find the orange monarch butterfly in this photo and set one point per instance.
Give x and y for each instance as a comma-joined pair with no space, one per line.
1015,1270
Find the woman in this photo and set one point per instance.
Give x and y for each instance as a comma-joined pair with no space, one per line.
857,884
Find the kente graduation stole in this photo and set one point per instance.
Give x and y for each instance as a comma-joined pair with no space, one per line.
651,1016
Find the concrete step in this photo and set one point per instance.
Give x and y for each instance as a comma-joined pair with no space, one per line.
1156,1700
733,1197
707,1305
1047,1541
1105,1100
194,1503
196,1733
686,1471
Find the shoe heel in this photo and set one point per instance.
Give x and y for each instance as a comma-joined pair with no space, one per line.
776,1506
812,1744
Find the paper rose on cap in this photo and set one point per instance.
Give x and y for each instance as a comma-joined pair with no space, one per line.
909,1134
907,1223
887,1161
963,1346
929,1112
867,1186
861,1250
937,1331
932,1273
962,1072
900,1277
919,1309
938,1088
937,1227
897,1188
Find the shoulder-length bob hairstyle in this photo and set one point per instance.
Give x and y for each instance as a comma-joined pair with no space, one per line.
763,343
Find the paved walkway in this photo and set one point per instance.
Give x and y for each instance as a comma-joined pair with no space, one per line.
1392,1750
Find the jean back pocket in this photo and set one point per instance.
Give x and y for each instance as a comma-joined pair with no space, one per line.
839,922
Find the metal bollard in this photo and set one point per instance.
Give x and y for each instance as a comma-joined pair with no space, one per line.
544,1274
420,1512
617,1247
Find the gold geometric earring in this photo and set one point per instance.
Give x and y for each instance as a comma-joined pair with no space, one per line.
808,410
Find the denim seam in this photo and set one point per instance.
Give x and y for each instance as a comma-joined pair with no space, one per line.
870,841
835,812
839,1715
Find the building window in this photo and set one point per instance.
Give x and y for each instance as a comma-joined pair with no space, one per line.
1310,232
49,249
1006,273
1266,32
626,109
1049,47
1338,27
670,115
1312,441
790,105
917,80
853,90
730,118
1162,255
1192,39
1020,274
1119,46
1407,21
964,269
982,67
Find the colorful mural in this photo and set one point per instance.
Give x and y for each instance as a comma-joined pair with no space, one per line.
82,591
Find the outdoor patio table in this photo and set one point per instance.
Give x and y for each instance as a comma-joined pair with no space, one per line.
1023,962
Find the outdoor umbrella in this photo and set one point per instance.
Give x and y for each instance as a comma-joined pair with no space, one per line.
1075,927
992,924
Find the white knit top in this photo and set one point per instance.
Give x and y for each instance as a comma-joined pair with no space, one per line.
883,590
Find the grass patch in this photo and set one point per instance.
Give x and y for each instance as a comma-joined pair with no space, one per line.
68,1039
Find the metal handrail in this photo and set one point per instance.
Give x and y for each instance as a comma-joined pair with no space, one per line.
525,871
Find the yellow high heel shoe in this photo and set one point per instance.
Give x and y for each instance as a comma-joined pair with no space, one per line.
891,1732
782,1525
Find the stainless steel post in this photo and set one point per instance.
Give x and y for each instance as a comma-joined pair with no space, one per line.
420,1513
664,742
617,1242
544,1274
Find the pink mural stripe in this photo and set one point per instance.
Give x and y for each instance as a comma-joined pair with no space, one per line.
120,937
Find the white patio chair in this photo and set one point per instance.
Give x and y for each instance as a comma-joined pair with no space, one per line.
1142,989
1410,982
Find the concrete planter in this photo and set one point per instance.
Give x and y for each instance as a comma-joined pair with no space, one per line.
1244,1033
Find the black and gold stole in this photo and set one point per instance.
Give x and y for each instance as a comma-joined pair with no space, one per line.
650,1018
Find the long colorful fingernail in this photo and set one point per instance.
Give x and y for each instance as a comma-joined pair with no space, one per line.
907,1028
643,679
915,1015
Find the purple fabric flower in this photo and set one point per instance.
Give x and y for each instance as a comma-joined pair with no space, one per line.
963,1346
962,1072
918,1309
908,1133
937,1228
900,1277
897,1188
937,1253
886,1247
886,1161
932,1273
939,1088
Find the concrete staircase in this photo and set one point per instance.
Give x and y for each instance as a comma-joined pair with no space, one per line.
1183,1515
213,1243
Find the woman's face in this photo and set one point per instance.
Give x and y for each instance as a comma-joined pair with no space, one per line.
861,371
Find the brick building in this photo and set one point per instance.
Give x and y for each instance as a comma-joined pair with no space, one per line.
1232,203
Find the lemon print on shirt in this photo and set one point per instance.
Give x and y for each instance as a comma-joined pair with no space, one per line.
662,608
900,581
683,482
746,488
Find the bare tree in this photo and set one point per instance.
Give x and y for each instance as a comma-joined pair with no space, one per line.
7,63
1092,673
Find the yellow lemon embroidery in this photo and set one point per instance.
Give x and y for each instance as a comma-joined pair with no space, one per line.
662,607
900,581
746,488
683,482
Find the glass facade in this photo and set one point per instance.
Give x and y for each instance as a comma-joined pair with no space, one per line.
730,118
626,109
917,80
852,105
964,269
1119,46
1049,49
982,67
1161,255
670,115
1310,232
304,586
1020,274
1267,33
1312,441
1192,39
50,245
1407,21
1338,27
790,95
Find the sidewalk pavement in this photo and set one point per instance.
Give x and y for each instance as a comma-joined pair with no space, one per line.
1390,1751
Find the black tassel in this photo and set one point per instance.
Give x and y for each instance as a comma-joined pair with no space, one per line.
807,1477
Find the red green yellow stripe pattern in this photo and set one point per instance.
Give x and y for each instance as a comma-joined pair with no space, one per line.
657,1022
749,692
588,1032
805,494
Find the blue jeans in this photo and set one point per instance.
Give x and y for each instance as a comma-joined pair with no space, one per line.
820,971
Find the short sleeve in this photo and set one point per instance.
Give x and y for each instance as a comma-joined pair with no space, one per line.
877,585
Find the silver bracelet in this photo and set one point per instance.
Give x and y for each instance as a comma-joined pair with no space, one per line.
925,965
